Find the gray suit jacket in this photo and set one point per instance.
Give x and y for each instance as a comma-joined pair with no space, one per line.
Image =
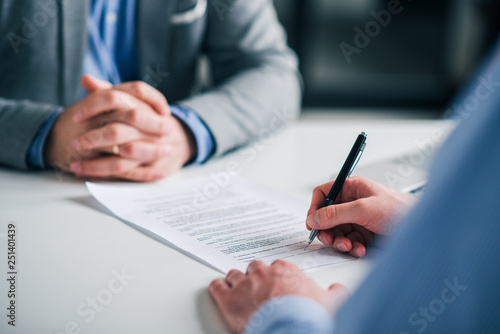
254,73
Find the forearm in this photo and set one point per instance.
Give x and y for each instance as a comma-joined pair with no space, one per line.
257,87
19,123
237,113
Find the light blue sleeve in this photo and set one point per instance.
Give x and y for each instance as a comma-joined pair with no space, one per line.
440,273
205,142
34,158
290,315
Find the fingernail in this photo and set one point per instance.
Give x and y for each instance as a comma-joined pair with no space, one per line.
360,253
159,175
321,238
76,144
341,247
76,167
316,222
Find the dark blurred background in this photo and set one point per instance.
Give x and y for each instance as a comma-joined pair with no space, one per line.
418,60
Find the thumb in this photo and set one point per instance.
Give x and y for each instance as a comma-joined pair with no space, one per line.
91,83
338,214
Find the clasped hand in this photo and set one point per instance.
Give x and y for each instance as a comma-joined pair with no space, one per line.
134,118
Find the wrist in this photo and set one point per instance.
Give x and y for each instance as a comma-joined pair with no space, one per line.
36,151
190,140
49,156
203,139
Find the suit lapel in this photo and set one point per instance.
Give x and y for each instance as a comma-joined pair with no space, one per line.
73,32
153,34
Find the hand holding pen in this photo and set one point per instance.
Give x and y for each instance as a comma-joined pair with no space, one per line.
345,172
363,208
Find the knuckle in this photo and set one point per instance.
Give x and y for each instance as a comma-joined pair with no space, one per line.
138,88
355,180
258,263
128,149
257,267
317,190
232,272
113,132
279,263
85,168
279,266
111,97
215,285
134,116
163,100
330,212
318,194
118,167
259,270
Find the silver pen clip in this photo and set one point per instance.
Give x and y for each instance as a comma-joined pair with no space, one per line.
360,153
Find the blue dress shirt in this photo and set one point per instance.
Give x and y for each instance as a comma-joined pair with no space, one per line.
439,273
111,56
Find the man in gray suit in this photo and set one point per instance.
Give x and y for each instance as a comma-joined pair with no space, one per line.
116,121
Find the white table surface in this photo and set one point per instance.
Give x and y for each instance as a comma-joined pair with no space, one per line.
68,246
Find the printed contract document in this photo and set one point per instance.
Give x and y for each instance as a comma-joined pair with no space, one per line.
226,224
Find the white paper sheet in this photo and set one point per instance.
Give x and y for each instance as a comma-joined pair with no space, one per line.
225,224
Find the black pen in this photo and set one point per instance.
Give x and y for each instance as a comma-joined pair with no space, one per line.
345,172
